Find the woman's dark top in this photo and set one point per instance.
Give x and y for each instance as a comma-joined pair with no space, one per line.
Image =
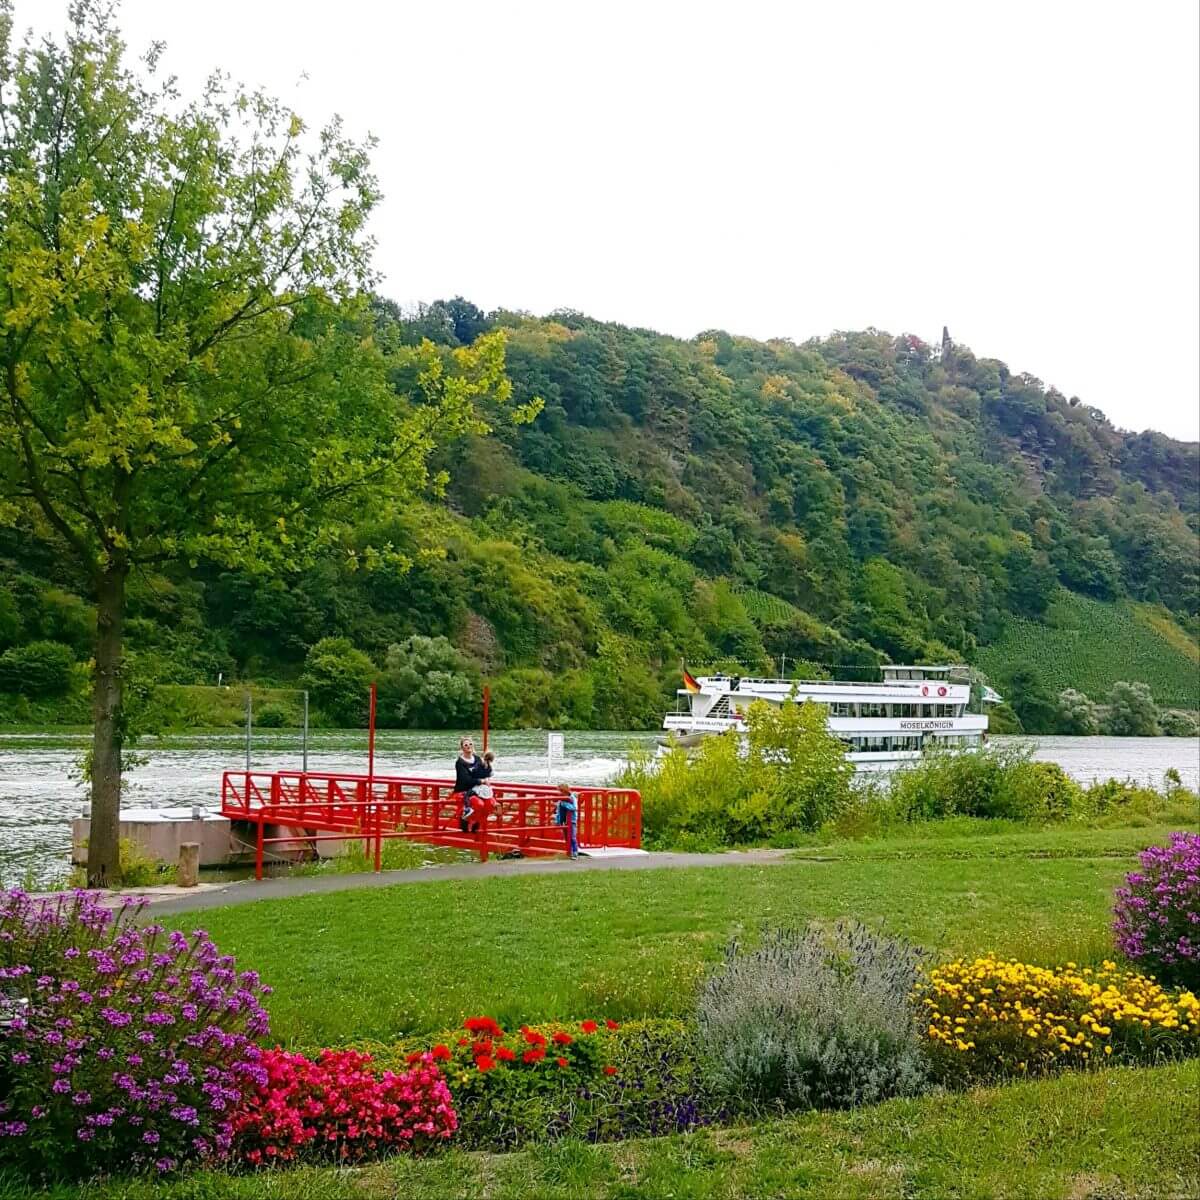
468,774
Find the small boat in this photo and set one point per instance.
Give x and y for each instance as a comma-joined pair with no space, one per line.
882,725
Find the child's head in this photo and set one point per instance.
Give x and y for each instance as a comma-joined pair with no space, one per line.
489,756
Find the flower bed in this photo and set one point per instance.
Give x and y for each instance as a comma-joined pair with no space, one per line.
988,1018
1157,915
337,1107
119,1047
591,1079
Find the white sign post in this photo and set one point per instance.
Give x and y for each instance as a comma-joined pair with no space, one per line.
554,753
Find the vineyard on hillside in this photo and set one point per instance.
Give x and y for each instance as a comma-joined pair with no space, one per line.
1090,645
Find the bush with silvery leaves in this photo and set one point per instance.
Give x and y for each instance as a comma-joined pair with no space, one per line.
814,1018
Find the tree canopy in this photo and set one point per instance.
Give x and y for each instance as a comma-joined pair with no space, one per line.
188,370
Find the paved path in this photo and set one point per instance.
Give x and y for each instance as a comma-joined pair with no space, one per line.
246,891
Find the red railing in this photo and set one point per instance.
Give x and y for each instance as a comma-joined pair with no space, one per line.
331,806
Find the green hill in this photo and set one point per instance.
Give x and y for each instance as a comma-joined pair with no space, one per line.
1090,645
858,498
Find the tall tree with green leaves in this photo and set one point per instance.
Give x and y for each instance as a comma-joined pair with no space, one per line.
186,372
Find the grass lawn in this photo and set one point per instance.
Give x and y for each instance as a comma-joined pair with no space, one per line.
1104,1135
417,958
420,957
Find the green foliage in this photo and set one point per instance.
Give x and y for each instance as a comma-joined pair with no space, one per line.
138,869
994,783
338,678
1076,713
1031,700
1179,724
1131,711
271,717
1090,645
189,369
37,669
428,684
858,498
792,777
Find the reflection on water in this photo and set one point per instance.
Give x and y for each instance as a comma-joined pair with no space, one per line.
39,793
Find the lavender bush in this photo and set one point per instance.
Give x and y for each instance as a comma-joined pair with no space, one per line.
1157,914
121,1047
814,1018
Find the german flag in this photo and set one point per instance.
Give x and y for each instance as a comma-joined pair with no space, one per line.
689,682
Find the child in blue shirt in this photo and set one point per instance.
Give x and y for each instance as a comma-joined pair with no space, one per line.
566,814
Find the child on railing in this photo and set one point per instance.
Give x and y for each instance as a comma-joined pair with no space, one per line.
566,814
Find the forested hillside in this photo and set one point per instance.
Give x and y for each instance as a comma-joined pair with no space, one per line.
858,498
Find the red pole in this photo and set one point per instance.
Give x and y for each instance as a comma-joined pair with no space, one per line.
371,739
487,696
258,852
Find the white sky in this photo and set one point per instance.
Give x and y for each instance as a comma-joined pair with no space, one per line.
1026,173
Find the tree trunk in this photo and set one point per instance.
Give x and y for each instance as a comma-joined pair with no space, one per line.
103,863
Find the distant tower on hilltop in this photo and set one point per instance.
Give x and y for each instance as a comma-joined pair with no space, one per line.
947,344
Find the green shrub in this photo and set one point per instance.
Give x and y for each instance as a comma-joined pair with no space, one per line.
1131,711
338,676
814,1018
1038,791
271,717
138,869
428,684
640,1079
1175,723
37,669
1076,713
791,777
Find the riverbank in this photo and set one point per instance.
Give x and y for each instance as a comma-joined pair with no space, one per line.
40,789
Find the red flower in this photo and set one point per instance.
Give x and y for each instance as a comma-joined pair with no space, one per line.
532,1056
413,1058
463,1041
610,1070
484,1047
484,1025
562,1039
562,1062
485,1062
441,1053
533,1037
588,1026
505,1054
612,1024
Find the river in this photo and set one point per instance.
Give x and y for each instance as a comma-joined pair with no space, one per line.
40,792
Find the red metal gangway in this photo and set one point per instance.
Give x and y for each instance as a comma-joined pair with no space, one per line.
334,806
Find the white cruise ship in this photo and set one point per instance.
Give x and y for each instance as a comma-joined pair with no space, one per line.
882,724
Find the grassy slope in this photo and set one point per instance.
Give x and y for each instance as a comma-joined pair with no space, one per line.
417,958
1090,645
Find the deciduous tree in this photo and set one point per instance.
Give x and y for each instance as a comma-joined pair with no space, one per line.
184,373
